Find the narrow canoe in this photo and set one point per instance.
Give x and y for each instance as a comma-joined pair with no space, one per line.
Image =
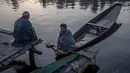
97,29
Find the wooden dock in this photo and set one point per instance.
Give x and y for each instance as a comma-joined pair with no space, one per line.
7,52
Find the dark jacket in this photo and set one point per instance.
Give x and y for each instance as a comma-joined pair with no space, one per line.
66,40
23,32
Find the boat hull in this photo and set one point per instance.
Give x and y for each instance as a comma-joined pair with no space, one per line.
75,63
106,34
104,24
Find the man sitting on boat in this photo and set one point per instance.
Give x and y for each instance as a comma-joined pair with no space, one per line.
65,40
23,31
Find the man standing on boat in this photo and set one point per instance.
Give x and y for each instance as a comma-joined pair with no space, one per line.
23,31
65,40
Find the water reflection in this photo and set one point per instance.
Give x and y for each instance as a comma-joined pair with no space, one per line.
71,4
102,4
111,1
47,2
43,3
60,4
95,5
128,7
14,3
84,4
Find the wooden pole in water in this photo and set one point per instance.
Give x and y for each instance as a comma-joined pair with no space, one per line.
32,52
32,58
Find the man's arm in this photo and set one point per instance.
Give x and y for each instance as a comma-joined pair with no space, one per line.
60,42
30,30
69,40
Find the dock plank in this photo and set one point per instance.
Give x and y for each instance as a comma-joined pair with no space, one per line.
9,52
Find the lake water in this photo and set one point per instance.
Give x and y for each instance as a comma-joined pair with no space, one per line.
47,15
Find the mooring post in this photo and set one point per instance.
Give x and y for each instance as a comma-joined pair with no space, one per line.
31,58
32,52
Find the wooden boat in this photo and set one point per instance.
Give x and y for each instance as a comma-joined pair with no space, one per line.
75,63
8,52
96,30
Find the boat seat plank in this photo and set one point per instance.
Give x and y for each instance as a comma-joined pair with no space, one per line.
103,23
96,25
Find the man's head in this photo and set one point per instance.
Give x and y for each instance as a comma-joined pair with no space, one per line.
63,27
26,15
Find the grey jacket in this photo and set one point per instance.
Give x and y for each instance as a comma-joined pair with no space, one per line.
66,40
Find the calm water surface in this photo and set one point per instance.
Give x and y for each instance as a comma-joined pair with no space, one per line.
47,15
